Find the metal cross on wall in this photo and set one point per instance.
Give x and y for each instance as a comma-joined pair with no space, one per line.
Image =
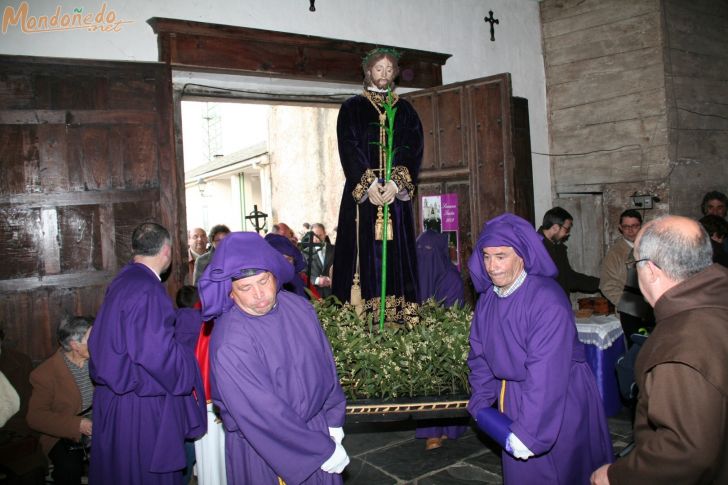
491,21
255,216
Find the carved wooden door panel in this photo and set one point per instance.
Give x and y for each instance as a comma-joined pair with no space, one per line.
86,155
469,150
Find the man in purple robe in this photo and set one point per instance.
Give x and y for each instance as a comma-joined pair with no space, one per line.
438,279
149,394
525,355
273,371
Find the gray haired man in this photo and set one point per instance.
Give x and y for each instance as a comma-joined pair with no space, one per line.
680,425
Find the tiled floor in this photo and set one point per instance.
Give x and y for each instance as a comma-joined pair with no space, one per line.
388,453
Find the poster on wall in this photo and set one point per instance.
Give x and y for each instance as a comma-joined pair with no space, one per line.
440,213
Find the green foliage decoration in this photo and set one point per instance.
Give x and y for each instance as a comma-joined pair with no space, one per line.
428,359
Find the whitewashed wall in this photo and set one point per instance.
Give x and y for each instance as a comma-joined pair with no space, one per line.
449,26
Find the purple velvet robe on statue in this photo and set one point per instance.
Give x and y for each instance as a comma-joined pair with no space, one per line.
529,340
357,129
273,376
144,406
438,279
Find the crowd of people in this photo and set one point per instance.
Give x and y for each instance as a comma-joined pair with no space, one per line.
239,380
618,281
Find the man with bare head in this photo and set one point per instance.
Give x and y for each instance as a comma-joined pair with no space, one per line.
196,247
217,234
715,203
618,280
362,137
149,395
322,260
555,229
680,426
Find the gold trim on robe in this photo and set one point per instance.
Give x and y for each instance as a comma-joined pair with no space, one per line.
397,310
401,177
361,188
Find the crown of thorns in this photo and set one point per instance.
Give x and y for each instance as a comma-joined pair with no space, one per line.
388,51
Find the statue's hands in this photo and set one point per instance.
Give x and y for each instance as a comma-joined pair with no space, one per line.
389,191
375,194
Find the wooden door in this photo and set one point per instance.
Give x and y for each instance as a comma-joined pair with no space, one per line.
86,154
586,239
471,130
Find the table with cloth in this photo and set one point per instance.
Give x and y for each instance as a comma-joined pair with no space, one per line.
604,343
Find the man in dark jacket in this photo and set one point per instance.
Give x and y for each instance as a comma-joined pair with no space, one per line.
717,229
680,426
321,261
555,229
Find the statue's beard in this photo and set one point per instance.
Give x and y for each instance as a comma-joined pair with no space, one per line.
382,83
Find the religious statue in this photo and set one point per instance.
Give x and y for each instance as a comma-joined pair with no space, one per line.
362,138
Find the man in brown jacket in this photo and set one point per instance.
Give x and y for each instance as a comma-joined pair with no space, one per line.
681,425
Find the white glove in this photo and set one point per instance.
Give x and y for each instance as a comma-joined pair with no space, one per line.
389,190
337,434
515,447
337,461
375,194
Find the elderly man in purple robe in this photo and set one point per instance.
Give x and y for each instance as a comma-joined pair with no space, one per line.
526,357
438,279
273,371
149,395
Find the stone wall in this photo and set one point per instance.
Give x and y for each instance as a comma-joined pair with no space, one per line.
306,176
696,80
636,94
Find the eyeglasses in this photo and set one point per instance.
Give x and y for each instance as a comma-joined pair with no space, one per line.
630,226
633,264
567,229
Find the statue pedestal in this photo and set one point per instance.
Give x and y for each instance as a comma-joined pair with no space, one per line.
403,409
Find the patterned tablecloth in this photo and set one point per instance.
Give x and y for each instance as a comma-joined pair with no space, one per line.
599,330
604,344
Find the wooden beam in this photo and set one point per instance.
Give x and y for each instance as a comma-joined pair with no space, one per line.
26,201
69,280
444,174
76,117
198,46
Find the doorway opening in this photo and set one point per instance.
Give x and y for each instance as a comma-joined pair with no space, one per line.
252,141
242,156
